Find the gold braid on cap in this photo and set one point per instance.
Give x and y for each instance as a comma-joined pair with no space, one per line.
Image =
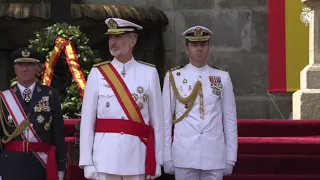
188,100
19,130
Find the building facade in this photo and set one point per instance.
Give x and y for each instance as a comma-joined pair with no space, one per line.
239,44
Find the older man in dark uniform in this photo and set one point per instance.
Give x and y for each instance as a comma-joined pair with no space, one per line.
32,127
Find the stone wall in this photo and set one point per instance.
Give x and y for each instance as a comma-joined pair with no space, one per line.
239,45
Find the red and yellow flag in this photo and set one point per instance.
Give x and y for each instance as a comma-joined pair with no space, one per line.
288,45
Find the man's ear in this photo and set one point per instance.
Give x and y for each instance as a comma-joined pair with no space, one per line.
186,50
39,68
133,42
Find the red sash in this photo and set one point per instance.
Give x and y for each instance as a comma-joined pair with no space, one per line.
18,115
132,111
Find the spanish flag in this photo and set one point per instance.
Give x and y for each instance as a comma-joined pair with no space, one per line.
288,45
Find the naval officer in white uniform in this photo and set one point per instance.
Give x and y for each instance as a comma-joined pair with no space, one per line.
199,103
111,147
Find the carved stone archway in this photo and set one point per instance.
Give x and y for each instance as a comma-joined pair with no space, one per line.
19,21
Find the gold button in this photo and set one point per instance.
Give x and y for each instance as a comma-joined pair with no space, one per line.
201,132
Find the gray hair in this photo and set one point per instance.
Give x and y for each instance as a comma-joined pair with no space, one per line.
133,35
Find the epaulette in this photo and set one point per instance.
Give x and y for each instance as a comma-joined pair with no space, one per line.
149,64
221,69
102,63
177,67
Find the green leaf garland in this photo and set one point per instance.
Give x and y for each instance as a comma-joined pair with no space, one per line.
62,79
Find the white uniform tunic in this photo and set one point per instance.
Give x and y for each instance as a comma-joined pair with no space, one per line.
116,153
208,143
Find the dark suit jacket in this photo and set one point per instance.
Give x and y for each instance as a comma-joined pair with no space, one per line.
48,125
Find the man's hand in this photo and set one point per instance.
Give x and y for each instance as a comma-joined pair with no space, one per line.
228,169
158,173
60,175
169,167
90,172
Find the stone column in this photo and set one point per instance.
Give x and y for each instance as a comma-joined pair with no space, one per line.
306,101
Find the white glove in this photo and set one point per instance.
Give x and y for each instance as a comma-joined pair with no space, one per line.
228,169
158,173
168,167
60,175
90,172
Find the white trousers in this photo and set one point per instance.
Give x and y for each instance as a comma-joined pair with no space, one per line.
104,176
198,174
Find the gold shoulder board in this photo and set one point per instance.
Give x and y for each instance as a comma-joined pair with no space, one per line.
177,67
221,69
102,63
149,64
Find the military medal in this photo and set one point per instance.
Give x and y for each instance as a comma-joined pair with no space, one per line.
44,104
47,126
107,104
27,98
27,93
135,96
190,88
145,97
10,119
140,90
123,72
216,85
40,119
140,105
216,92
48,108
37,108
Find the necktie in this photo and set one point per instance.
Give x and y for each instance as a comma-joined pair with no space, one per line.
27,94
